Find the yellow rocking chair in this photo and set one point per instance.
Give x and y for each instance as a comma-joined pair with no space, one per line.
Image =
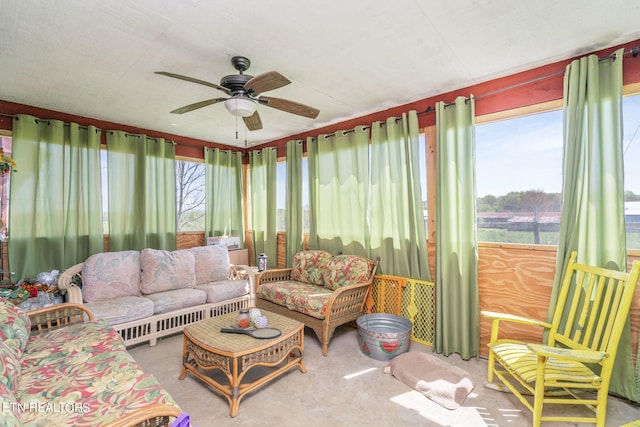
575,366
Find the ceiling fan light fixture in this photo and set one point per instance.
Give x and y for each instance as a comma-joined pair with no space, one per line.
240,106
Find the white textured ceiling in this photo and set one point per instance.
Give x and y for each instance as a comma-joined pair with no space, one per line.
346,58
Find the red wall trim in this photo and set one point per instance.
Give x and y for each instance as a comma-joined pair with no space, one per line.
185,146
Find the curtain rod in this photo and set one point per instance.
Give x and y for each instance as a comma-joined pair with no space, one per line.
633,51
14,116
345,132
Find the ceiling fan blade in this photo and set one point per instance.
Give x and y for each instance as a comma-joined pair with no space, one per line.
253,122
290,107
193,80
197,105
266,81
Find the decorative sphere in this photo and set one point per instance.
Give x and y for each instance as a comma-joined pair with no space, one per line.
253,313
261,321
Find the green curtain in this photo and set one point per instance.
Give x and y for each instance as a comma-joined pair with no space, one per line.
223,186
457,328
142,192
398,233
293,219
56,206
339,192
592,220
263,204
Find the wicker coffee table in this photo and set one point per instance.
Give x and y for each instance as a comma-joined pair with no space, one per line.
206,349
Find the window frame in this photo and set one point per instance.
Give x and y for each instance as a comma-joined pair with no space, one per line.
631,90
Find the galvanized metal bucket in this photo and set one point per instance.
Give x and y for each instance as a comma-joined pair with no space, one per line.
383,336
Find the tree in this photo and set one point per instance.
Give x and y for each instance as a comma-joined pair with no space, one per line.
488,203
537,203
630,196
190,197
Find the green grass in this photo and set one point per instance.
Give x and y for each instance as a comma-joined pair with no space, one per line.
496,235
520,237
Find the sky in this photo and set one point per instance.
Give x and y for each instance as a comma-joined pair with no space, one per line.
533,147
520,154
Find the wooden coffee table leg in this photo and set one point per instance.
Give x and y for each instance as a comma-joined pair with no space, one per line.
185,357
234,401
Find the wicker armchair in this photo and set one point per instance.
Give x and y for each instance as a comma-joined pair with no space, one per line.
345,304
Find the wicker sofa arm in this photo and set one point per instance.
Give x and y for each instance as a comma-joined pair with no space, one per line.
65,283
347,300
273,275
239,271
54,317
244,272
149,416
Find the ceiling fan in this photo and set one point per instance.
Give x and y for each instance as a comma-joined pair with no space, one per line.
245,94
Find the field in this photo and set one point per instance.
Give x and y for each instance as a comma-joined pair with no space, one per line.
497,235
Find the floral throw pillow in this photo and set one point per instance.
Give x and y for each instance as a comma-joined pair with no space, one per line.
211,263
165,271
310,266
110,275
347,270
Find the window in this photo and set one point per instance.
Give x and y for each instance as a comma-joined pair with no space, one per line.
281,195
281,189
631,153
190,196
519,179
423,180
305,195
104,179
5,143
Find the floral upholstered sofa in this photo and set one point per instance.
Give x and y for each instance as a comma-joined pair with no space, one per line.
320,290
152,293
60,370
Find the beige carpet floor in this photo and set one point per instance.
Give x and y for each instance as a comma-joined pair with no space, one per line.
346,388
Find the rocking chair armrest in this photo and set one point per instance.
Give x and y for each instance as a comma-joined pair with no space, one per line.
496,318
513,318
584,356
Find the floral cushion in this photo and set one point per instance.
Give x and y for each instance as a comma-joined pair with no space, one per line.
9,366
15,325
278,292
85,370
309,299
177,299
164,270
110,275
121,310
223,290
211,263
8,408
309,266
346,270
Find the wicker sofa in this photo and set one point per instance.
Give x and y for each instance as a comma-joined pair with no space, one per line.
152,293
60,367
320,290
